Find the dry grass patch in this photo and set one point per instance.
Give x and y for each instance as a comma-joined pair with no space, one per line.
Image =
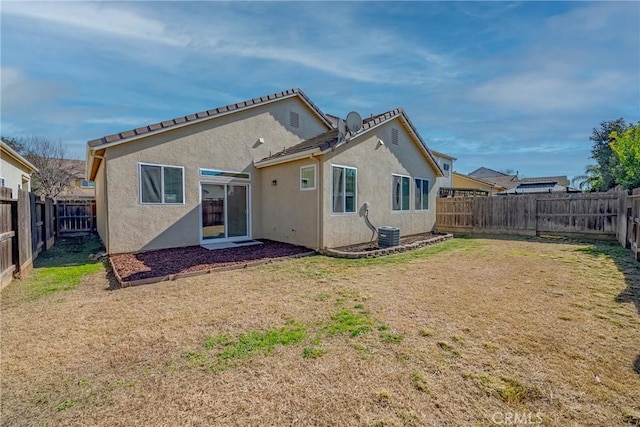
446,335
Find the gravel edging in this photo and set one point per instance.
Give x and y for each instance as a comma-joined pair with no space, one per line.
386,251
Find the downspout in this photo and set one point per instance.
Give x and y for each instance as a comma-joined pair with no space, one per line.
320,207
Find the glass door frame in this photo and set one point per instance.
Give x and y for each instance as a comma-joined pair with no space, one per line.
226,185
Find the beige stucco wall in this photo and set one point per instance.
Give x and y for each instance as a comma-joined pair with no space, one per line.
102,219
14,174
376,164
288,213
225,143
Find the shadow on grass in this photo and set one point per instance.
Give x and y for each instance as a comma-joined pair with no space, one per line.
70,252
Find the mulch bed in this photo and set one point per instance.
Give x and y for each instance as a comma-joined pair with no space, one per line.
164,262
370,246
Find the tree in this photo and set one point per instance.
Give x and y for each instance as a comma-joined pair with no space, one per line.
15,144
627,148
590,180
55,170
604,155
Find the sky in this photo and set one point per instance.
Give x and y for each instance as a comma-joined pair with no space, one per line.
504,85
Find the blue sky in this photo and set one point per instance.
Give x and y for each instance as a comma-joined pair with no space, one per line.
504,85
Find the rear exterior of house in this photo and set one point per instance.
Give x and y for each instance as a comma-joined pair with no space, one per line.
210,178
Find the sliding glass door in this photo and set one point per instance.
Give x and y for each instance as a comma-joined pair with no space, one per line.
225,211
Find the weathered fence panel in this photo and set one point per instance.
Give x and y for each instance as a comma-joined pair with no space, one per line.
76,217
24,261
7,236
595,215
631,237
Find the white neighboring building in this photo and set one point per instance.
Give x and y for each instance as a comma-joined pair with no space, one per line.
445,162
15,170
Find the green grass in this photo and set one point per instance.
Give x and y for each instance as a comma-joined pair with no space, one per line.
349,323
418,382
62,267
253,343
389,337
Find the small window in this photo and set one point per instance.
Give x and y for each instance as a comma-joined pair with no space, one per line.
161,184
422,194
445,168
395,136
87,184
343,189
308,177
294,119
401,189
1,182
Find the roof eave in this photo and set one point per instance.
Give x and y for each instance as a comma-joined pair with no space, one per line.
18,158
288,158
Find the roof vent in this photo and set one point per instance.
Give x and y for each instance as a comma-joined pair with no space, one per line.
394,136
294,119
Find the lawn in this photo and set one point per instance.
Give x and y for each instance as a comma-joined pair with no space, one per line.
467,332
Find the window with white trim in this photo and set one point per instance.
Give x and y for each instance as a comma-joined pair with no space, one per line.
400,192
1,182
343,189
161,184
445,168
308,177
87,184
422,194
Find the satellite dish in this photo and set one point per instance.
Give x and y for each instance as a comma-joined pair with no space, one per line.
354,122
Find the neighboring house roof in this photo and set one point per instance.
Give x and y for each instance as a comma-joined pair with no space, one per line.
485,173
443,155
541,187
329,141
11,153
560,180
134,134
480,182
505,181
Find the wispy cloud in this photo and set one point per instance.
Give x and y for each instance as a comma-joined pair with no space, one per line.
96,17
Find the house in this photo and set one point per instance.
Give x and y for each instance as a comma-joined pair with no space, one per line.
80,188
514,185
15,170
495,178
541,185
274,167
445,162
468,185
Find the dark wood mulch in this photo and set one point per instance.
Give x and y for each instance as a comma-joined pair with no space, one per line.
164,262
370,246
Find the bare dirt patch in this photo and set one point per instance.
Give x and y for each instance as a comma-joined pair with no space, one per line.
461,333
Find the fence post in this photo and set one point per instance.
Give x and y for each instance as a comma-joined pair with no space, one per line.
23,214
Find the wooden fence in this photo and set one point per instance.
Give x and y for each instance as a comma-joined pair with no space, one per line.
28,226
629,234
590,215
76,216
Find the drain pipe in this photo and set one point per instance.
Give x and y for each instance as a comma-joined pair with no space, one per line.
365,214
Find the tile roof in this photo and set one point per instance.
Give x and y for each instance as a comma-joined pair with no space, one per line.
330,139
324,141
158,127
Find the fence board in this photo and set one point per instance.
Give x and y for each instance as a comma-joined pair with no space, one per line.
532,214
7,237
76,217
